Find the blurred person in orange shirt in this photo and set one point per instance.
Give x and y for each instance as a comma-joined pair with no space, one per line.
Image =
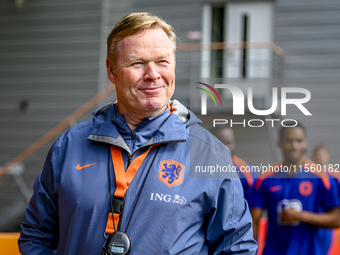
227,136
321,155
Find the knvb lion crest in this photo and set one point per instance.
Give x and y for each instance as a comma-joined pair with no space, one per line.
171,172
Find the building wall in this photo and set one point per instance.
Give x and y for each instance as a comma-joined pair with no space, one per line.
48,68
309,32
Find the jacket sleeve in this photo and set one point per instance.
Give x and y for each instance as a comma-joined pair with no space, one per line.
230,226
39,234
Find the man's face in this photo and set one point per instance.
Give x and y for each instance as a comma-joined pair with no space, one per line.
293,144
144,76
321,156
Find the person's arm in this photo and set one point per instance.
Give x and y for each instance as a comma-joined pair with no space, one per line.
40,231
330,219
229,229
256,214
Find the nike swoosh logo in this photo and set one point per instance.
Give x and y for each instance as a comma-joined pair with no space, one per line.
79,167
275,188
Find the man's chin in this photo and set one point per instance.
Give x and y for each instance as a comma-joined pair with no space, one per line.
154,108
294,160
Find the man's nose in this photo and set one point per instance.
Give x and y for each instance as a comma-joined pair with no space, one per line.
295,145
151,72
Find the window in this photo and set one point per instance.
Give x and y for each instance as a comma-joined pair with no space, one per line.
217,36
245,28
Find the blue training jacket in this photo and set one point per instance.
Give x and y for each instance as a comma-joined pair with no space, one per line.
175,212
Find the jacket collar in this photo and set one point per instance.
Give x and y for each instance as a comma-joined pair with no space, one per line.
163,128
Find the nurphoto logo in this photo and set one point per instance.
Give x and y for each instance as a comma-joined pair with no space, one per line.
238,103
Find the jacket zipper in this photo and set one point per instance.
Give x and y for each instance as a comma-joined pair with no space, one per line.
129,160
129,155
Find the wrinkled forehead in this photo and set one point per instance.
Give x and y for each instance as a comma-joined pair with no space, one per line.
148,41
148,37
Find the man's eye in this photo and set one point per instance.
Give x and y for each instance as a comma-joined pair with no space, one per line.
163,62
137,63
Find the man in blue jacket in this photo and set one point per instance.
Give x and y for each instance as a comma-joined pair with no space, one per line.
120,183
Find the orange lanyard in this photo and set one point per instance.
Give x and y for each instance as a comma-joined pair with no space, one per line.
123,179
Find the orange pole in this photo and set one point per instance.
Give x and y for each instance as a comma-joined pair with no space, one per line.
9,244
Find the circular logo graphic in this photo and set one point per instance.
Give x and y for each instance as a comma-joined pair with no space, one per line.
305,188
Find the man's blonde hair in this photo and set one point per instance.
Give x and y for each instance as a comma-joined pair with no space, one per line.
132,24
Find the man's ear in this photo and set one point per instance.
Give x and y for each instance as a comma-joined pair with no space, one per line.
110,71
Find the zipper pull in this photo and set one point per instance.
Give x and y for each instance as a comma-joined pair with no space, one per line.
133,134
129,160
